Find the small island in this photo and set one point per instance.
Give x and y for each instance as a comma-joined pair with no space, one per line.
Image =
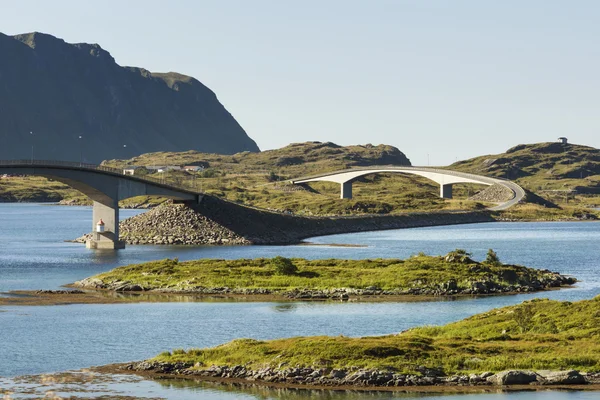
533,344
451,275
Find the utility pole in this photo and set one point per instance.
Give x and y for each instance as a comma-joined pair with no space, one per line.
80,151
32,144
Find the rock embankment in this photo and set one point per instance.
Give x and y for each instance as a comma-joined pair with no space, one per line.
494,194
450,288
218,222
365,377
176,224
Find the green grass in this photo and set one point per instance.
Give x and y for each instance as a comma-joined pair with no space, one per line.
33,188
419,271
534,212
537,335
548,169
260,180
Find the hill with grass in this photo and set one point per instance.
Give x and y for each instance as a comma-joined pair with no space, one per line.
53,92
294,159
520,344
261,179
453,274
542,167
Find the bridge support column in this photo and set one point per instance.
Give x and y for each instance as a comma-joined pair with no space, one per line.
109,239
346,190
446,191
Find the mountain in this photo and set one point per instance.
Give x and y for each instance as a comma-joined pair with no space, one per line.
542,167
53,92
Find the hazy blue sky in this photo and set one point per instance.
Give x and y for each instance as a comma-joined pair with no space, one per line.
452,79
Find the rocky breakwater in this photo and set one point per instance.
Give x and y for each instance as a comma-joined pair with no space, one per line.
494,194
176,224
363,378
216,221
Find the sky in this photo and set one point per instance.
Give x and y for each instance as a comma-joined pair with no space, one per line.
441,80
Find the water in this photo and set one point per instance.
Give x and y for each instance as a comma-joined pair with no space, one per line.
48,339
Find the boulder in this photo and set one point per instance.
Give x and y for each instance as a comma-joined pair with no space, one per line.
513,377
570,377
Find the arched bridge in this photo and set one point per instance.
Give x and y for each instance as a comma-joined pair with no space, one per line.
445,178
105,186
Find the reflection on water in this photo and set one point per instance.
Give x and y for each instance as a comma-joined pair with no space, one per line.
86,384
285,307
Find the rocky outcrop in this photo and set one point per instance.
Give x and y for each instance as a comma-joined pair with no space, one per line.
59,90
362,377
217,222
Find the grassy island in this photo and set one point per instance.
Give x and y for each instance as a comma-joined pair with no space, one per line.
538,335
453,274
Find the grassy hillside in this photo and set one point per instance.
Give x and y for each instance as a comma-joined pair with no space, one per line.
537,335
551,170
260,179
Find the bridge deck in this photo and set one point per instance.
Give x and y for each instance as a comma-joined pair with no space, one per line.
95,168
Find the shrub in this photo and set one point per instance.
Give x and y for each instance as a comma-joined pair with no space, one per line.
492,258
284,266
523,316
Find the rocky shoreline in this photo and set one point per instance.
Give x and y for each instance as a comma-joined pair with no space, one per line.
362,378
450,288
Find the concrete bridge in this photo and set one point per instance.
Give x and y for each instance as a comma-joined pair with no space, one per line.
105,186
443,177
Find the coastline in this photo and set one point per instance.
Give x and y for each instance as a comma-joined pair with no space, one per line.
104,296
460,383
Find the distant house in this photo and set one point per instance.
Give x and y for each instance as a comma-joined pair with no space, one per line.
168,168
193,168
562,140
130,170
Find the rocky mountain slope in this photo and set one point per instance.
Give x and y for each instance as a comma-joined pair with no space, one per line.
542,167
60,91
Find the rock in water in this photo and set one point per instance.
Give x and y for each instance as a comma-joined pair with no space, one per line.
59,91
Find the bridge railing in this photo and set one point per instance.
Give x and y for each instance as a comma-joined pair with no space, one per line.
92,167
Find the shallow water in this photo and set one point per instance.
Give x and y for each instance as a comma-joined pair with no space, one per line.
49,339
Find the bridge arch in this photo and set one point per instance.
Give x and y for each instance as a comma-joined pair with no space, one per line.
444,178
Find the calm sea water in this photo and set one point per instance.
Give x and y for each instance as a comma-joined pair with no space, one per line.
48,339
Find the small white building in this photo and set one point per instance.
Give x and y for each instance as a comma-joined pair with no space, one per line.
563,140
130,170
193,168
168,168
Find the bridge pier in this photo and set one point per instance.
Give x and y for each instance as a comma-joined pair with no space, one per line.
346,192
109,239
446,191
